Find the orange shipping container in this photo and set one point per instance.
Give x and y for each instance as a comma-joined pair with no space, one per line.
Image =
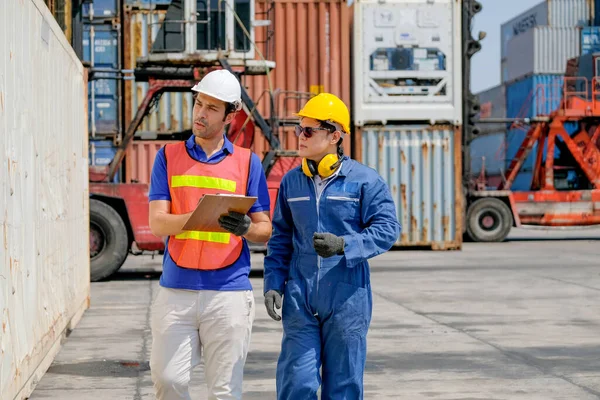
312,57
140,158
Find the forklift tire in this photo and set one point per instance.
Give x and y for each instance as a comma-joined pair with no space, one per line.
108,241
489,220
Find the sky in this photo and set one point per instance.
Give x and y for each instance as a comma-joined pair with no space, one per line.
485,65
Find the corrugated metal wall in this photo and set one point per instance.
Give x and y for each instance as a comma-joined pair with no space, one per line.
44,258
141,159
534,16
542,50
569,13
534,95
314,56
422,166
556,13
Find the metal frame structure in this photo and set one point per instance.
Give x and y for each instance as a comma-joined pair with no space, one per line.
545,204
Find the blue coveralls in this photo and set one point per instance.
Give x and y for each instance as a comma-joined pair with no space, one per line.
327,302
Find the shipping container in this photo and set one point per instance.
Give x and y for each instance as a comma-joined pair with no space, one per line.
101,153
105,48
590,39
100,9
407,58
44,259
493,105
104,101
522,182
489,151
516,136
493,102
542,50
140,159
533,96
554,13
309,59
503,70
422,166
536,95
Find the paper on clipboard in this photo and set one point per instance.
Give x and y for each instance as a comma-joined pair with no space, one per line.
211,206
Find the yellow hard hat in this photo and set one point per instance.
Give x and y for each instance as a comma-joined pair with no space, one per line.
327,107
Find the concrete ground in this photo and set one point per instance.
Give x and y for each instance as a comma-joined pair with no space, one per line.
515,320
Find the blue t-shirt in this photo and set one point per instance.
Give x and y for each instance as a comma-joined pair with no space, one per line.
234,277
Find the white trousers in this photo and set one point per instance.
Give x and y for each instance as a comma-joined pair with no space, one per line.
183,322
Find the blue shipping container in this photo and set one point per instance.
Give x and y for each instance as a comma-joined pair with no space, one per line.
590,39
106,46
490,147
533,96
101,152
106,116
101,8
103,87
596,17
522,182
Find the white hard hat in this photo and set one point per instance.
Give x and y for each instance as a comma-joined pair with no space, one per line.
221,84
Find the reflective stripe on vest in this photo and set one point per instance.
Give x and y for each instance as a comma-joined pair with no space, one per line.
205,182
189,180
215,237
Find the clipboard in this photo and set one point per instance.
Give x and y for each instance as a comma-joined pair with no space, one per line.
205,217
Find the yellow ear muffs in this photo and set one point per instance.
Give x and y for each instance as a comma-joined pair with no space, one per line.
326,167
309,167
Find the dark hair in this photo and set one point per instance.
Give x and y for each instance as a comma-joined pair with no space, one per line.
331,129
327,126
229,108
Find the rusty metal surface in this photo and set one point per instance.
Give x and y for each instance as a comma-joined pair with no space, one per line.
422,167
575,202
141,155
44,255
314,56
554,208
309,58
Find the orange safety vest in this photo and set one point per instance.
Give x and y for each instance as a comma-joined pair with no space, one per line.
189,180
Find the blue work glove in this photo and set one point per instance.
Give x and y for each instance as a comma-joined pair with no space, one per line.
327,244
236,223
272,300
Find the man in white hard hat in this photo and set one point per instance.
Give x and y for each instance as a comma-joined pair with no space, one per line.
205,298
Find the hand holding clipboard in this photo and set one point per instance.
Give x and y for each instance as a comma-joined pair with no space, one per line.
205,217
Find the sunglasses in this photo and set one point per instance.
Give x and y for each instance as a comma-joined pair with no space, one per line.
309,132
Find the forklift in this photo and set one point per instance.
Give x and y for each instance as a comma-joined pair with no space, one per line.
186,48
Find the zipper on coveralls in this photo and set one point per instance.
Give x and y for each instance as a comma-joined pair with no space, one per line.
318,197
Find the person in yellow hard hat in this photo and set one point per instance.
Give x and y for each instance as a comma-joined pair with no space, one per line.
332,215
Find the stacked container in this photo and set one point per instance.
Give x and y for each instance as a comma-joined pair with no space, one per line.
489,148
102,50
535,48
313,56
407,111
